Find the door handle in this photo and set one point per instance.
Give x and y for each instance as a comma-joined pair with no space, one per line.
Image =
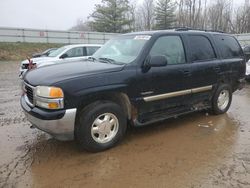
186,73
217,69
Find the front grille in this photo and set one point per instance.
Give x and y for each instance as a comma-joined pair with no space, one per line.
29,93
25,66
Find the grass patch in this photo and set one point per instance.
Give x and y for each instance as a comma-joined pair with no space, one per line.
19,51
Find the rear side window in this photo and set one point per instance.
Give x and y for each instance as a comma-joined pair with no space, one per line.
228,46
91,50
171,47
201,48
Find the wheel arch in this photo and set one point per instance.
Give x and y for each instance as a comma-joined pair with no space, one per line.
119,98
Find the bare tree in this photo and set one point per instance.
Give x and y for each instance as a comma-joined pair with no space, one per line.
202,14
147,13
190,13
242,19
220,15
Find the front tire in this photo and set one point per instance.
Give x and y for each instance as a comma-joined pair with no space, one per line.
222,99
100,126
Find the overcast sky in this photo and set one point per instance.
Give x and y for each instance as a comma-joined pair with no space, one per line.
47,14
44,14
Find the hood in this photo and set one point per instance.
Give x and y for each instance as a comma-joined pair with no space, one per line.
55,61
50,75
39,60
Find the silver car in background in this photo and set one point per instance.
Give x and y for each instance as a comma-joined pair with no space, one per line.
63,54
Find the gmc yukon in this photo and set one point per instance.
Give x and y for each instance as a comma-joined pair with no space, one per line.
137,79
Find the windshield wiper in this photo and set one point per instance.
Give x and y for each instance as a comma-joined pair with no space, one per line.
109,60
106,59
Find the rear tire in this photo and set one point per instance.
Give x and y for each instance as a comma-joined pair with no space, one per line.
222,99
100,126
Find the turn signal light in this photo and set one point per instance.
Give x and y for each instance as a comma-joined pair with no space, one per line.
56,92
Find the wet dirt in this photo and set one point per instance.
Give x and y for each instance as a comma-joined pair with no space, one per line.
196,150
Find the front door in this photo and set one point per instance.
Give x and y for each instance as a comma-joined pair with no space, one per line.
166,89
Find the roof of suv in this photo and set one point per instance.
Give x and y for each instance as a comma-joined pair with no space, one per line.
184,30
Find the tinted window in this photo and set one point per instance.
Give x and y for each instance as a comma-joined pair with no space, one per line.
171,47
201,48
228,46
91,50
75,52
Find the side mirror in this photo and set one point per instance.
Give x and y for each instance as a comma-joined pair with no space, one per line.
64,56
157,61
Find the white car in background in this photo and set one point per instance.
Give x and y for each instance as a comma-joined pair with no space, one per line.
63,54
248,71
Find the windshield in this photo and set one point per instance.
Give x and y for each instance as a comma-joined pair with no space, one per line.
57,52
123,50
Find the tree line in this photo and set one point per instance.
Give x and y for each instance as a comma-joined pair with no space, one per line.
121,16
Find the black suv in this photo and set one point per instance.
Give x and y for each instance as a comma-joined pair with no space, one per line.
139,78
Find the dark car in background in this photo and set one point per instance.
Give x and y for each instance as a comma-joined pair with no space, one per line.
141,78
45,53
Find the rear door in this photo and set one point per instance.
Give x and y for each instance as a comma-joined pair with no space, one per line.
232,65
204,66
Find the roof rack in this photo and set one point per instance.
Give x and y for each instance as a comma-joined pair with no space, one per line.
193,29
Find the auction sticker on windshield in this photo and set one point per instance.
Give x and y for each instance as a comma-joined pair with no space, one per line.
142,37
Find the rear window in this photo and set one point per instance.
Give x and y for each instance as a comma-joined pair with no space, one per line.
201,48
228,46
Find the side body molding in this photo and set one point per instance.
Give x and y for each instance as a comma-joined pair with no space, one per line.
177,93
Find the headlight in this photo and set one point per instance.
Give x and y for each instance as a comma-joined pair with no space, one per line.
49,92
49,97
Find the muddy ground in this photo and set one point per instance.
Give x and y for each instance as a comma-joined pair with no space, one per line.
197,150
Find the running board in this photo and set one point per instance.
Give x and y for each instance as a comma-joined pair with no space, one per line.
164,116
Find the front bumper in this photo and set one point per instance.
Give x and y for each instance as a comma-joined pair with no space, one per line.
59,124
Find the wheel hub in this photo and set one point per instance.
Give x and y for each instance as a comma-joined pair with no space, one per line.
104,128
223,99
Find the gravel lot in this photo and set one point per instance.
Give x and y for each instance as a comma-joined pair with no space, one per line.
197,150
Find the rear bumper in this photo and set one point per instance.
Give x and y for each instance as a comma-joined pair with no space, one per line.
59,124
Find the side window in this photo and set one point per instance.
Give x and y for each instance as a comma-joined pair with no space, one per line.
201,48
75,52
228,46
171,47
91,50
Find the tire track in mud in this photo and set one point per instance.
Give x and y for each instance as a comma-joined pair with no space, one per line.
235,174
12,120
16,168
11,115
